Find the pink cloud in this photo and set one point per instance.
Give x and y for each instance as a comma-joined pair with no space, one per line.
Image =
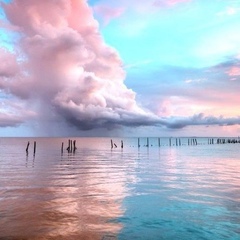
108,13
9,120
234,71
7,26
14,112
8,66
67,67
168,3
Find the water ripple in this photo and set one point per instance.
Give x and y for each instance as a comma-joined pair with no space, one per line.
189,192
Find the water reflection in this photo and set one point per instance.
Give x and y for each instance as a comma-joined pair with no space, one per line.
131,193
71,197
184,193
30,161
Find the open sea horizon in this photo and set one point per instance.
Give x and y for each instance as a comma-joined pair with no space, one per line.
120,188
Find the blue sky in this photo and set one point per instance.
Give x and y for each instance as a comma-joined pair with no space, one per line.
181,58
189,34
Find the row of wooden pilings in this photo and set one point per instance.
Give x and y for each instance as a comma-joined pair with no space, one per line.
224,141
178,142
34,148
70,149
172,142
71,146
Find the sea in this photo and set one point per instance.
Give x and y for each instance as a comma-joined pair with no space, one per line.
120,188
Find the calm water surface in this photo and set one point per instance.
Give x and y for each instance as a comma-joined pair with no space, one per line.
166,192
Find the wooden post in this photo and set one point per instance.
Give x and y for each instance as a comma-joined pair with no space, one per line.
180,142
62,148
111,143
27,148
170,143
176,142
138,142
121,143
159,142
71,147
147,142
34,148
74,146
68,148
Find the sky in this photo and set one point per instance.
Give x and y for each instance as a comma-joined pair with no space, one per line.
119,68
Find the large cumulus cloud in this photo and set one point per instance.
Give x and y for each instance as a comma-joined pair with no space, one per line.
65,64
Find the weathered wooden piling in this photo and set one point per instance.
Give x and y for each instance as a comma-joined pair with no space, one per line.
111,143
180,142
121,143
27,147
71,146
34,148
68,148
159,142
147,142
138,142
170,143
62,148
74,146
176,142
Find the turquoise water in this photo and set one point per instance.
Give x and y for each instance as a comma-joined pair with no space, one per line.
186,191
